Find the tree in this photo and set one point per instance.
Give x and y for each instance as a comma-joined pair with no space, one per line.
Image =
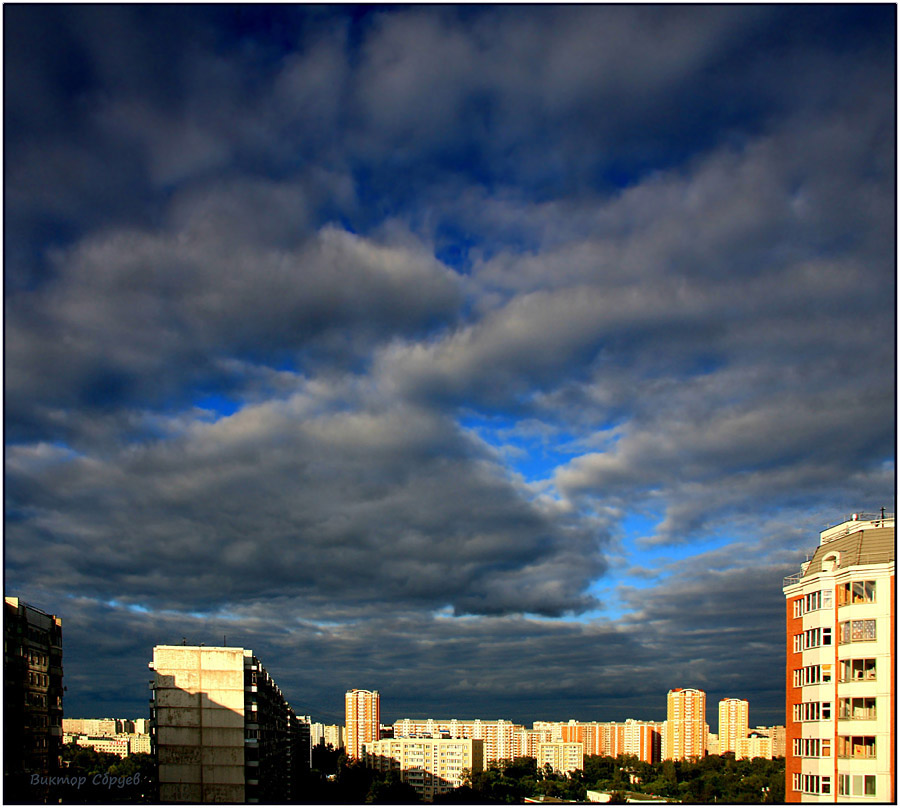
392,789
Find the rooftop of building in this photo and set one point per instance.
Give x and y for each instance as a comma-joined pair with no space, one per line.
859,540
855,522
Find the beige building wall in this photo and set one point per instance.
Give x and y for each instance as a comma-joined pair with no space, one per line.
734,724
754,745
502,739
841,668
362,710
562,756
138,744
685,726
777,734
199,703
110,746
334,735
432,766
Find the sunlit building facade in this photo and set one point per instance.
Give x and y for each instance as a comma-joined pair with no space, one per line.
734,724
685,729
755,745
502,739
561,756
362,710
221,729
840,704
432,766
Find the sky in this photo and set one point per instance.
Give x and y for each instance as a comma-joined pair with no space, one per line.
503,359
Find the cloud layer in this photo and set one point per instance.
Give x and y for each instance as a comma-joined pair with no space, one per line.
415,341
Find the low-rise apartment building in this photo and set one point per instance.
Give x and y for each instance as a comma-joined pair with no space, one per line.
501,738
561,756
432,766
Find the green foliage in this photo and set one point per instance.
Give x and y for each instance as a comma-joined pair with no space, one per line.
352,784
714,778
391,789
93,777
710,779
325,758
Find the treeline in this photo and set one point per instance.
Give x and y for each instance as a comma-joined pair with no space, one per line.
89,777
715,778
95,777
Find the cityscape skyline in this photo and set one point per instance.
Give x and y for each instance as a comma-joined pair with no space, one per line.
500,359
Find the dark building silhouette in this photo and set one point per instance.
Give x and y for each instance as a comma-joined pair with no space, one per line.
33,700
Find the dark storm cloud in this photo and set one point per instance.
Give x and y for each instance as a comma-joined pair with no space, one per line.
465,668
237,369
357,507
133,316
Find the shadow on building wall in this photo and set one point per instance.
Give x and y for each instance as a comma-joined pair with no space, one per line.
427,785
231,745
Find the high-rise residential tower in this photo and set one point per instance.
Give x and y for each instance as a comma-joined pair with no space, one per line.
734,724
841,629
362,709
221,728
684,734
32,693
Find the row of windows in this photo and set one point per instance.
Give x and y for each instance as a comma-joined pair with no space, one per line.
812,783
812,638
856,785
856,746
862,708
847,594
813,602
812,675
856,631
812,711
856,592
851,670
857,670
812,747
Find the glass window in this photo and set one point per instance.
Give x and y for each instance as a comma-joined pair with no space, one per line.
844,785
856,631
859,708
843,594
863,630
856,746
857,670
